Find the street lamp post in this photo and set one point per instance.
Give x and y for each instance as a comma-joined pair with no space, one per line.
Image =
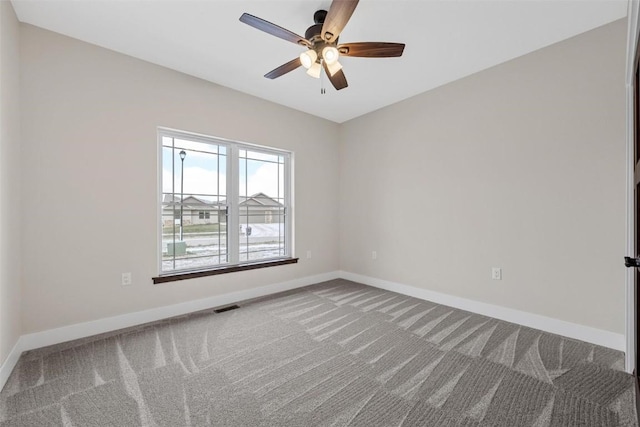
183,154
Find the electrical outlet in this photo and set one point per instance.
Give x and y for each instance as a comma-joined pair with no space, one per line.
496,273
374,255
126,279
308,254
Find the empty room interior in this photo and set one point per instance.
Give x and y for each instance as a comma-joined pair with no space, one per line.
418,217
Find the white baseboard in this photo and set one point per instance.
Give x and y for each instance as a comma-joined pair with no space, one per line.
86,329
547,324
10,363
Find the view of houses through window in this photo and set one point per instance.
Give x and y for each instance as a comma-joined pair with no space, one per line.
222,203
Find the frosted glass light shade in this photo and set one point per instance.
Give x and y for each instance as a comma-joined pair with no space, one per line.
330,55
308,58
314,70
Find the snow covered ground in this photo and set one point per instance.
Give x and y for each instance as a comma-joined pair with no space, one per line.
264,230
203,251
207,256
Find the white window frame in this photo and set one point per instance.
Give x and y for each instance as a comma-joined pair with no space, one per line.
232,198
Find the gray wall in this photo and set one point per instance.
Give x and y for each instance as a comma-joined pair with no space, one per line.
90,173
10,262
521,166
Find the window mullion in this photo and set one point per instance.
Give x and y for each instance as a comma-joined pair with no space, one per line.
288,199
233,219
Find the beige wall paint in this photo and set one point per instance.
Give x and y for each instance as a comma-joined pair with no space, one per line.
521,166
90,171
10,263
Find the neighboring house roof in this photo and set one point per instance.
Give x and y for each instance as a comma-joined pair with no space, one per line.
194,203
169,198
190,202
260,199
200,208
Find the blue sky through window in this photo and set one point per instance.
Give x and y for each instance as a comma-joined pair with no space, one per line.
205,171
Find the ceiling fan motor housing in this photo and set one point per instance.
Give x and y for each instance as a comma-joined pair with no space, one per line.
314,34
319,16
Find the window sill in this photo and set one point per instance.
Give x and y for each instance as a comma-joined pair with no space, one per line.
221,270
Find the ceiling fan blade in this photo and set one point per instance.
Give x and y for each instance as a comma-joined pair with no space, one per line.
338,80
337,17
273,29
371,49
284,69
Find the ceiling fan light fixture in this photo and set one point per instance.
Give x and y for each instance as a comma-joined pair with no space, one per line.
334,67
330,55
308,58
314,70
321,40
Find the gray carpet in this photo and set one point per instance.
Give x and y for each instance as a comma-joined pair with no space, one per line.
334,354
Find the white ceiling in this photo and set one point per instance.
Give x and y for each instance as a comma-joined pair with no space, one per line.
445,40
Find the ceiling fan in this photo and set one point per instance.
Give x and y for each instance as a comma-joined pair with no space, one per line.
321,41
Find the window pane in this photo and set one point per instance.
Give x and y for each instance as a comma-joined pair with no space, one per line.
260,239
242,167
261,206
203,245
196,146
255,155
167,170
193,211
281,181
260,176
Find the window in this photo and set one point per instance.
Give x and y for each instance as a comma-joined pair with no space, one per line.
214,196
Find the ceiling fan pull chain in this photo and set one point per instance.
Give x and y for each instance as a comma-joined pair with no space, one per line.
322,74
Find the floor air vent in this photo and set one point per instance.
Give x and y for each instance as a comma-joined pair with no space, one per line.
223,309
